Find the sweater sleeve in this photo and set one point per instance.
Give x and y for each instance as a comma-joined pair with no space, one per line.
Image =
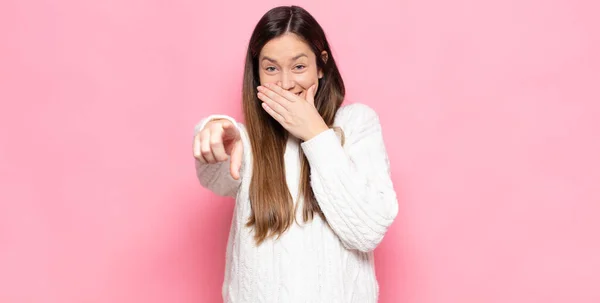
352,184
217,177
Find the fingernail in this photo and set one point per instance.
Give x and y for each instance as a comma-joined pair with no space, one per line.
267,85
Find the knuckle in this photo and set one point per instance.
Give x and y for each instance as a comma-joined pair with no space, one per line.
215,125
205,134
205,150
215,141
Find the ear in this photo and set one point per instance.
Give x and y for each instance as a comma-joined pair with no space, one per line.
324,57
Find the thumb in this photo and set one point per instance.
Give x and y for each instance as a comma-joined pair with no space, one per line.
228,128
310,94
236,159
231,134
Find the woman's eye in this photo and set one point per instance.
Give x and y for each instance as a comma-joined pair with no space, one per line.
270,69
300,66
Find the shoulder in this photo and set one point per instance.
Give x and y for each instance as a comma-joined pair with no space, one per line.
357,122
356,116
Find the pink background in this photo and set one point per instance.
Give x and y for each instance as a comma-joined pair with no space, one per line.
489,111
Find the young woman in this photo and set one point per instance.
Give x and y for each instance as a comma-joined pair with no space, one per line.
311,179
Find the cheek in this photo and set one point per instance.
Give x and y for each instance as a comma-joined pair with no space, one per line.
264,78
307,79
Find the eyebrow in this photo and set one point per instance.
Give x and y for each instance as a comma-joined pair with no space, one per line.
293,59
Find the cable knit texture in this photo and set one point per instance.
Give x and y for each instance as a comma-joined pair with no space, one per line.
315,261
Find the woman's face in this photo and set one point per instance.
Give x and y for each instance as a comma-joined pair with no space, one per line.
290,63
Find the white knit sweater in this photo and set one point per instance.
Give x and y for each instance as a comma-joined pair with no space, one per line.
313,262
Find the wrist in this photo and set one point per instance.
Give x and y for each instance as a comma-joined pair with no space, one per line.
317,131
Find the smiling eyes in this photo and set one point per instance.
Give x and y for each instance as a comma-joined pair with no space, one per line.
298,67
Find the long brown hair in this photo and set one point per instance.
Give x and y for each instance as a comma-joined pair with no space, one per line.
271,202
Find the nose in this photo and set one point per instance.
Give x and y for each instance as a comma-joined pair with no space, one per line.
287,81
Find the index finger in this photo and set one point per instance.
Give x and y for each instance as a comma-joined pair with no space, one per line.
282,92
236,160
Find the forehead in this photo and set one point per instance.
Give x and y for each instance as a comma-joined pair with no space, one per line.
285,47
